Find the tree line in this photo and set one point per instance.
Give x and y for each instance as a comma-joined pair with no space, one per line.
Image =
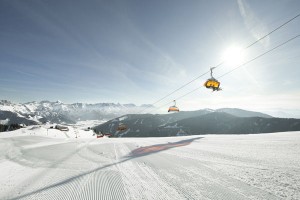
10,127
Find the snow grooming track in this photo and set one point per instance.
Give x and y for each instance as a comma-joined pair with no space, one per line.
95,183
105,185
195,180
61,189
43,180
98,154
221,185
264,175
189,167
140,181
174,176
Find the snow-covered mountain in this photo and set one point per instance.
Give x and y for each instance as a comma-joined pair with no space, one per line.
59,112
242,113
205,121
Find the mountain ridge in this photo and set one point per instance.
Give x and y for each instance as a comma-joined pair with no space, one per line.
59,112
202,121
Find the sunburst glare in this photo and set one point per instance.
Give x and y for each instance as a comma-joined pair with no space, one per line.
233,55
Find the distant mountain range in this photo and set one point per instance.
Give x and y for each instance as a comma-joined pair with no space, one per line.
58,112
207,121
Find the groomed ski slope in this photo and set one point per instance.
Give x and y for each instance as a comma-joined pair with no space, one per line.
263,166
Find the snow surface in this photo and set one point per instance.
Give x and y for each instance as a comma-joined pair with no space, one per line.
35,164
4,121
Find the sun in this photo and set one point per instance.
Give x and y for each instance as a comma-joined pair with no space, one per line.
233,55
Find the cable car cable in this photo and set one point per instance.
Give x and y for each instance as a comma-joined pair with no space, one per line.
239,66
285,23
221,63
287,41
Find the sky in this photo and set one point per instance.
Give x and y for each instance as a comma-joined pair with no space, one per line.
138,51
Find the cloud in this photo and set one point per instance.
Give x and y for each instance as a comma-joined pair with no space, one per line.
25,73
253,23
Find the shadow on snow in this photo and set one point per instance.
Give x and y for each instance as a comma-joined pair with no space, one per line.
143,151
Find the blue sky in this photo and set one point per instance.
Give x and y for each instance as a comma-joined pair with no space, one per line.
139,51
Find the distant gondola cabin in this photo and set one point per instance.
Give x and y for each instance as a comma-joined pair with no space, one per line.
173,109
122,127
